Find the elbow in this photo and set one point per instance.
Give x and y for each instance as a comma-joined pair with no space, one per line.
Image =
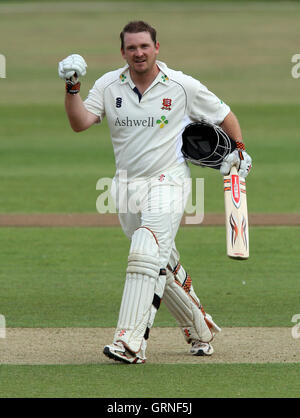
77,128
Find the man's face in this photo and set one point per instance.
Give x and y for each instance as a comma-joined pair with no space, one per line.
140,52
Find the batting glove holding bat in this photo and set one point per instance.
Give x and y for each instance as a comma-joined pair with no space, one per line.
238,158
70,69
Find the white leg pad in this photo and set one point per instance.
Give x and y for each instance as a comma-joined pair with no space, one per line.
140,285
183,303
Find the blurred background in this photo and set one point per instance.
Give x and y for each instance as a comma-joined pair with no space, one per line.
242,51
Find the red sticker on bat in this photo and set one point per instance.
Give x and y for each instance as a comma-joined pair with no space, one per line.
235,190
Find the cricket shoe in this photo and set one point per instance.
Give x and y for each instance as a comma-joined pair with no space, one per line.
118,352
201,349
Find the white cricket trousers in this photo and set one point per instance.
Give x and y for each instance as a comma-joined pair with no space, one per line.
157,203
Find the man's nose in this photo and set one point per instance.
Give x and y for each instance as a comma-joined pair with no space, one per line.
139,52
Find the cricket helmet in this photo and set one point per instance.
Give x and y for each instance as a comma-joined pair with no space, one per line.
206,144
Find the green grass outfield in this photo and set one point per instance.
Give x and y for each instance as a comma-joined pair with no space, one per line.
45,167
70,277
61,277
242,52
73,277
151,381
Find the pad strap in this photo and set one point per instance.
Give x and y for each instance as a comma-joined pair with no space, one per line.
157,298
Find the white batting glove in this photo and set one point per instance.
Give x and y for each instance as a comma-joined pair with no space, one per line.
70,69
72,64
240,159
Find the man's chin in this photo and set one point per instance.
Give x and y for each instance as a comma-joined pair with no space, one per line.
140,68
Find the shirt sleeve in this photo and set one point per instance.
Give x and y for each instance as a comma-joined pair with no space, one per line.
94,102
204,104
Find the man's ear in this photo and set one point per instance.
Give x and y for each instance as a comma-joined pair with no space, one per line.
157,46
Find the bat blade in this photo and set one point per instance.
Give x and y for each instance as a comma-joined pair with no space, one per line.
236,216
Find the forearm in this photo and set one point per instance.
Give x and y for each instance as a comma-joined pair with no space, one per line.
232,127
79,117
239,156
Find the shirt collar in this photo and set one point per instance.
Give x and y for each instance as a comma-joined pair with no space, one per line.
164,73
124,77
162,76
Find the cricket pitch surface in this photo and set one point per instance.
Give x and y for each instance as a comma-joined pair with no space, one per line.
36,346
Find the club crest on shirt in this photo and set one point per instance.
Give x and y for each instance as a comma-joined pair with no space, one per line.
166,104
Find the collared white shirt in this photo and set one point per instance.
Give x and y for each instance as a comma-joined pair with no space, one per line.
146,129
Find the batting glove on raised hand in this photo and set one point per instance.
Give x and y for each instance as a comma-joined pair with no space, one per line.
72,64
240,159
70,69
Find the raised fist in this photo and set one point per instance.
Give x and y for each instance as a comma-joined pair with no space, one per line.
72,66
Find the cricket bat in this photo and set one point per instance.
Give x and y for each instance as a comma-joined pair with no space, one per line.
236,216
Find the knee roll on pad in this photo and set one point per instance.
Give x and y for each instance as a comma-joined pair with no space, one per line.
142,281
143,253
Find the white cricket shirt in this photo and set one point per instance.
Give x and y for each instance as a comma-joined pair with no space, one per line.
146,130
